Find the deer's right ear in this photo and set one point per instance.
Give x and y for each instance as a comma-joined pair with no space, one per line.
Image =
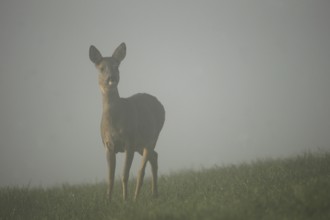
94,55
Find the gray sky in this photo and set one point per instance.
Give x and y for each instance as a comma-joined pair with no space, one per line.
240,80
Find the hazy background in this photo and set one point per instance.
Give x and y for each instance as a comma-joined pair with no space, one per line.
240,80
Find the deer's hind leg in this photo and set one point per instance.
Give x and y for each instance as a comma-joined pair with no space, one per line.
145,158
153,159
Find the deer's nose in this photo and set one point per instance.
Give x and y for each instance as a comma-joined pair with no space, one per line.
112,78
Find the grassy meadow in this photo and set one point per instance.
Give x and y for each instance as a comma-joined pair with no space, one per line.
293,188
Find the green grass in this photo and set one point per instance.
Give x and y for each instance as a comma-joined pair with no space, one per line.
294,188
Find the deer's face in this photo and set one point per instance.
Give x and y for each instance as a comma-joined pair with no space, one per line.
108,73
108,66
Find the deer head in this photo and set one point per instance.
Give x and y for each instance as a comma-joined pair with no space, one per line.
108,66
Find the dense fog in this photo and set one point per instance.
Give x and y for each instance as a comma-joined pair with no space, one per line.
240,80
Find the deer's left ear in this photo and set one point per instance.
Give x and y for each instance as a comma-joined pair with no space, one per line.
120,52
94,55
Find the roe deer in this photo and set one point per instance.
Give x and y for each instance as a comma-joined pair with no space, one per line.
127,124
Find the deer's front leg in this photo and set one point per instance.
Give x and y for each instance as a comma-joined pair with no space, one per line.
111,159
127,167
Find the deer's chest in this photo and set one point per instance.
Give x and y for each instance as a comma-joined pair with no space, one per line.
115,129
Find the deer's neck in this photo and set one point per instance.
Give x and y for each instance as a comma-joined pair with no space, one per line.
111,99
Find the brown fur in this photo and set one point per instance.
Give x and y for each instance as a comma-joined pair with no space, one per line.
128,124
